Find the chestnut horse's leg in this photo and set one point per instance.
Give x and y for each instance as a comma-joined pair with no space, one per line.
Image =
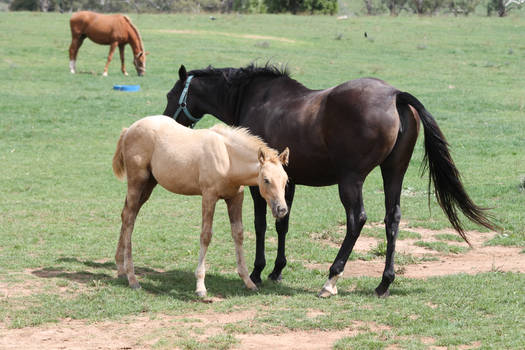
351,194
393,170
122,65
235,214
208,209
76,42
112,48
281,226
139,191
259,205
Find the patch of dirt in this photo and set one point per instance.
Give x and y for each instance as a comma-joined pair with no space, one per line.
479,259
233,35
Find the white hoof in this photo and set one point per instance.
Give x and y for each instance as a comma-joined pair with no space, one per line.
105,74
327,292
201,293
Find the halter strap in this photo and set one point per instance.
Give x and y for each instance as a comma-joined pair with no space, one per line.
182,103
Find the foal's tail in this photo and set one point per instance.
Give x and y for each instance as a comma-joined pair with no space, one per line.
119,169
449,190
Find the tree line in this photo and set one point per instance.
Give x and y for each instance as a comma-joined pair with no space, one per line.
370,7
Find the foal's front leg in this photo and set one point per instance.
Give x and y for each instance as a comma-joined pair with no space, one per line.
208,209
235,213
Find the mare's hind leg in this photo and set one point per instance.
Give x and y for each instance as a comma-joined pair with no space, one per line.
76,42
281,225
259,206
235,214
350,192
122,64
139,190
208,209
393,170
112,48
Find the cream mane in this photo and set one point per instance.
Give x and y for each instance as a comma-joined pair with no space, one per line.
242,136
136,32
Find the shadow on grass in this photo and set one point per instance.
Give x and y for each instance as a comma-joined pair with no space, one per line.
176,283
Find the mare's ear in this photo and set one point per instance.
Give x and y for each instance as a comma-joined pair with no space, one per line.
261,156
284,156
182,73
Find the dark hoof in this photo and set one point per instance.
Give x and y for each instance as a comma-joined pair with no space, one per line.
122,277
256,279
275,278
381,293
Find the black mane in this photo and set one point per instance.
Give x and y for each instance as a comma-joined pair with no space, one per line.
240,76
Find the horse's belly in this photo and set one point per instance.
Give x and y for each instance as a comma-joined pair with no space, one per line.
176,178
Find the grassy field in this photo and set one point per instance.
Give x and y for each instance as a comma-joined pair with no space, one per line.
60,206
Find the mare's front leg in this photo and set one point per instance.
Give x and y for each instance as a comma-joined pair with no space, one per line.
235,214
281,225
112,48
259,208
122,63
350,192
208,209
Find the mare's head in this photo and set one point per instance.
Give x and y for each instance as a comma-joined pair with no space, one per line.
272,180
139,60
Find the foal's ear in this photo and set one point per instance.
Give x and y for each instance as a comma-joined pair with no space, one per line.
284,156
262,156
182,73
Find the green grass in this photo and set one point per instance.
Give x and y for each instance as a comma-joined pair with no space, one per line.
60,207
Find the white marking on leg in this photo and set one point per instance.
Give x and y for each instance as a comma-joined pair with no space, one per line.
329,287
72,66
200,272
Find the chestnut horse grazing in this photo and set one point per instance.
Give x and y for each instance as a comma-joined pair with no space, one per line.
338,135
113,30
214,163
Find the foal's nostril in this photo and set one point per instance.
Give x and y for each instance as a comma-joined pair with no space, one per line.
282,211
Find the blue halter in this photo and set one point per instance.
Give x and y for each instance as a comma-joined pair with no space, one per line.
182,103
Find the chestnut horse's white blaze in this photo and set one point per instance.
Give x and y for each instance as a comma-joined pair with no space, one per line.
214,163
114,30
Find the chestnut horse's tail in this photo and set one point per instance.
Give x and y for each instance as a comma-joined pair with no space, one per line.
450,193
119,168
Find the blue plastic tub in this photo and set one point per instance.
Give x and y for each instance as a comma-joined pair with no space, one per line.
128,88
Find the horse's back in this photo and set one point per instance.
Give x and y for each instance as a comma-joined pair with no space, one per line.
101,28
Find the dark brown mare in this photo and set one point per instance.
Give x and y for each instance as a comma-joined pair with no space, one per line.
113,30
336,136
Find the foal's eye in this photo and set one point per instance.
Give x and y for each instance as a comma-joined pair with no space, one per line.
266,181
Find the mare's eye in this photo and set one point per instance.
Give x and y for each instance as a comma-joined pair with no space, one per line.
266,181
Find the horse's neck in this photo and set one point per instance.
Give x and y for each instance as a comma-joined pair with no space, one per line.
135,41
244,166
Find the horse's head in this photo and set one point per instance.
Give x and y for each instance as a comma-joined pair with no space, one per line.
140,63
272,181
184,109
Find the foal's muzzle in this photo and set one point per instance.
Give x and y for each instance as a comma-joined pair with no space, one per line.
279,211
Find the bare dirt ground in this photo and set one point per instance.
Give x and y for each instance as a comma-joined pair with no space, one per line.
144,332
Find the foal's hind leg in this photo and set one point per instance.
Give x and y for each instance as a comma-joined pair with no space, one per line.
235,213
208,209
139,190
281,226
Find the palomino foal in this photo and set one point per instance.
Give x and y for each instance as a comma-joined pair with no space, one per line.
214,163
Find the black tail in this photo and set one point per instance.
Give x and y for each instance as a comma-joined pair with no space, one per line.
443,173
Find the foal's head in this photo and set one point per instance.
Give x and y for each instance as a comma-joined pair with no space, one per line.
272,180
